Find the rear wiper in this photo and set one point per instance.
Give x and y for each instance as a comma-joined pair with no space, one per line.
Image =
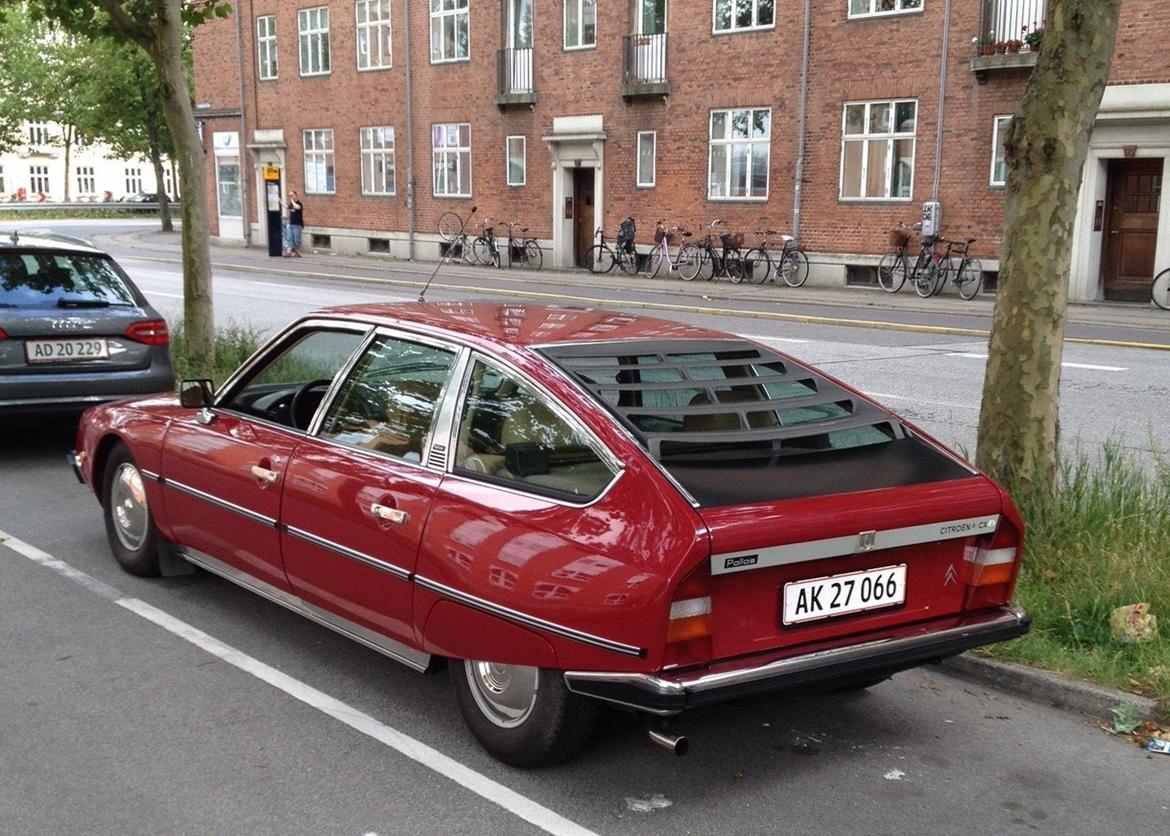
82,303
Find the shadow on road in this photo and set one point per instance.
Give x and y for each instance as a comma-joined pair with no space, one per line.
27,439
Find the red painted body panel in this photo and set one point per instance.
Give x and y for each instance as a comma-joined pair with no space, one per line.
449,624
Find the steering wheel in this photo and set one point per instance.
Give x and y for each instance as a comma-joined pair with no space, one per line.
300,401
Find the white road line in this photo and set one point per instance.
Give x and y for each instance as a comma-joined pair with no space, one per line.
1089,366
883,396
510,800
762,339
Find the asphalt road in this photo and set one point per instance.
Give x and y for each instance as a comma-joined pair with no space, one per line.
186,705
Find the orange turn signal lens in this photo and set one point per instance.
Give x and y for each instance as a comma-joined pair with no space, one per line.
689,619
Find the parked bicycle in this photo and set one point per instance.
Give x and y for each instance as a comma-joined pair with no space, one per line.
601,257
894,268
687,261
791,264
1160,290
484,248
522,249
968,273
722,256
453,230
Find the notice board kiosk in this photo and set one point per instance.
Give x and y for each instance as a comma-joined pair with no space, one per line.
272,202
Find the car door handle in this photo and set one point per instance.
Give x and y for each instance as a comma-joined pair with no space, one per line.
385,512
265,475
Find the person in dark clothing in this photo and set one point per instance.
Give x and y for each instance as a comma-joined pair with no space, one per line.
296,224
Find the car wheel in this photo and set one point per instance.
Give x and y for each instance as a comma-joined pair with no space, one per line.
521,715
129,524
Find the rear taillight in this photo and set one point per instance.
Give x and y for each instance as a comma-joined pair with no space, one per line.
688,632
3,335
994,561
152,332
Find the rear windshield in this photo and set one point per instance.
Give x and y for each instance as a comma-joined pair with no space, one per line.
735,423
64,280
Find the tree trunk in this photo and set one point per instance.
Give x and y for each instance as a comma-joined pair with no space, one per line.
1045,149
68,135
164,203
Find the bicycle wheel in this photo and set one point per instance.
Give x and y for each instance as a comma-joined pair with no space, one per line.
481,251
450,226
690,261
466,250
925,278
599,259
946,268
1160,290
533,256
794,268
892,271
628,262
756,266
658,260
969,278
708,266
733,266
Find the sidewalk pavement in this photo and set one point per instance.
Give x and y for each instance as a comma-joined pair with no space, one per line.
597,289
1037,685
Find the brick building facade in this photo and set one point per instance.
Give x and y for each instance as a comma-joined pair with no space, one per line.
572,114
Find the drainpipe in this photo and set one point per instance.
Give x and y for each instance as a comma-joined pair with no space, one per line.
243,133
942,97
409,138
796,190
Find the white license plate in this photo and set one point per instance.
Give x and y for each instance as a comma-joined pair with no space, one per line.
843,594
61,351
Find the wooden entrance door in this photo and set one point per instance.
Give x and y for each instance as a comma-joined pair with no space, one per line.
1135,190
582,213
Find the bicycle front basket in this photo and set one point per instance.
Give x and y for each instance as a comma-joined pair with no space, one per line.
659,234
899,238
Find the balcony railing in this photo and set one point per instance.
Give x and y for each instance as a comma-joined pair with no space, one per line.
515,84
1010,20
644,65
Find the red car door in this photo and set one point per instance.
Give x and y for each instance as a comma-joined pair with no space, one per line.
357,494
224,467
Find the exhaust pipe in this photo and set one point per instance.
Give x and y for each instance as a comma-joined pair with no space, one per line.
676,743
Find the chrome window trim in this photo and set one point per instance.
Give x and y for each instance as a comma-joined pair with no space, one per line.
469,477
221,503
352,554
529,620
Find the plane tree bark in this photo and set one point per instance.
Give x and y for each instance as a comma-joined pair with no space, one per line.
1046,145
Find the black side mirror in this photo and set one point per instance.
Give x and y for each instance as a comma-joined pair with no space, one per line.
196,394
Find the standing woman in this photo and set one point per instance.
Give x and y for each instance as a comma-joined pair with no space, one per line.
296,224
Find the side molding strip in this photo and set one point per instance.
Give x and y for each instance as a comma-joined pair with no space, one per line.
222,503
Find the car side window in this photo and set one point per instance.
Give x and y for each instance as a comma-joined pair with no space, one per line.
288,385
510,433
388,402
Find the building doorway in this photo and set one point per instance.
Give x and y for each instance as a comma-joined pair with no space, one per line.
583,214
1131,232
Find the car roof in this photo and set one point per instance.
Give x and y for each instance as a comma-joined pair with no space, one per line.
522,325
46,240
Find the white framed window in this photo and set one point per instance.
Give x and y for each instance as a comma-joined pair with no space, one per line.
450,31
313,27
86,180
998,157
169,184
877,150
516,149
266,47
580,24
451,143
743,15
319,176
373,34
871,8
39,134
133,179
647,150
740,151
377,151
38,179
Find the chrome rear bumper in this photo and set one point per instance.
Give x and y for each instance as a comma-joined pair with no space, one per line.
666,694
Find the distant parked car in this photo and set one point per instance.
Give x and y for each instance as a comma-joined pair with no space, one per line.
146,197
74,330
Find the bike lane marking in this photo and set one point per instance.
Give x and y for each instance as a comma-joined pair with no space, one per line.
513,802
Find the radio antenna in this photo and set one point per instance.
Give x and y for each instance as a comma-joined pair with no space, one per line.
461,241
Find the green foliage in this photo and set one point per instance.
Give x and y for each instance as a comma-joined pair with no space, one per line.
1100,542
233,345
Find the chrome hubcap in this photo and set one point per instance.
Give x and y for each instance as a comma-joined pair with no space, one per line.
128,503
506,694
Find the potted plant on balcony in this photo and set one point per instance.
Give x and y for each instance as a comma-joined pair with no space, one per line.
1000,47
1034,37
986,44
1014,45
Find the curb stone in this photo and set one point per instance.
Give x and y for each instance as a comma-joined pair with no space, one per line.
1046,687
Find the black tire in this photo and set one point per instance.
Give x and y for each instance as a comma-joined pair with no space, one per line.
969,278
690,262
946,269
130,528
539,727
756,266
892,272
733,266
707,266
793,268
1160,290
467,251
599,259
450,226
925,278
533,256
629,262
658,260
